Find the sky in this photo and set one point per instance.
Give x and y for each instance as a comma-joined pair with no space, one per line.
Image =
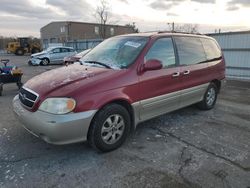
25,17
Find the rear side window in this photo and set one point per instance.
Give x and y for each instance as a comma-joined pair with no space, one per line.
162,50
64,50
211,48
190,50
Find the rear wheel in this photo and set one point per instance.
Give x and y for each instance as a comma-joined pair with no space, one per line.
209,98
45,62
19,51
109,128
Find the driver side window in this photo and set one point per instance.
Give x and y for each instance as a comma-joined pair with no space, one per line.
162,50
57,50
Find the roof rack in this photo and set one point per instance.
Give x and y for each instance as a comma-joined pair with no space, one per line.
179,32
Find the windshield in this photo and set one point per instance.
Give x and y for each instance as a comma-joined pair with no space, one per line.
84,52
49,49
117,52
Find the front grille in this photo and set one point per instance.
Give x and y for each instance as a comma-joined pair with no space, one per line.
27,97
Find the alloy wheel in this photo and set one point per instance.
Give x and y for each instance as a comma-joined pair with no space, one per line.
210,98
112,129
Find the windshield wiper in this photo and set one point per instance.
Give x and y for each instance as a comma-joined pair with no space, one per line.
99,63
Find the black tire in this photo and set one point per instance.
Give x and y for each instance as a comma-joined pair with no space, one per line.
206,103
45,61
19,51
1,89
19,85
98,128
30,63
35,50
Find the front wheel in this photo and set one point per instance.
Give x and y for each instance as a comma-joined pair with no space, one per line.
45,62
19,51
19,85
209,98
110,128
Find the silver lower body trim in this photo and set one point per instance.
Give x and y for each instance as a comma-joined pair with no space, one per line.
153,107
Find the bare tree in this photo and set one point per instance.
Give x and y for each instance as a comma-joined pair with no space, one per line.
102,14
5,40
188,28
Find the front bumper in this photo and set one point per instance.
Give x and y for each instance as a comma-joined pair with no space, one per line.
55,129
34,61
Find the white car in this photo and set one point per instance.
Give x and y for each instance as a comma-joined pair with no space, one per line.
54,55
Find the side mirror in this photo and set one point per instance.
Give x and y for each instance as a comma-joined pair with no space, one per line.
152,64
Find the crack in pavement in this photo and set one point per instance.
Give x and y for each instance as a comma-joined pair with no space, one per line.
184,163
19,160
247,169
221,174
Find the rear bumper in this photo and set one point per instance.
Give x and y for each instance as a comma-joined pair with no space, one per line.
55,129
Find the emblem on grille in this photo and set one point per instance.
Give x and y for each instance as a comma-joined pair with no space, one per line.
23,96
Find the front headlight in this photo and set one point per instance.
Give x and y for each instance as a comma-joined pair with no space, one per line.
58,105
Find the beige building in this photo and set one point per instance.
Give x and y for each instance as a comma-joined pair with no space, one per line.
64,31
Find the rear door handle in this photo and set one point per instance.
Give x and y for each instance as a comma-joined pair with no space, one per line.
176,74
186,72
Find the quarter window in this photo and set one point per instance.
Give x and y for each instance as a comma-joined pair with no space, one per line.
211,48
163,51
190,50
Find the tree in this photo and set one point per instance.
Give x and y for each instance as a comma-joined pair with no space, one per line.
187,28
133,26
102,14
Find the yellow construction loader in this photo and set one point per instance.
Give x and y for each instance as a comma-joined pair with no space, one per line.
22,46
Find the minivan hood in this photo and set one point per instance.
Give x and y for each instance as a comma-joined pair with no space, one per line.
52,80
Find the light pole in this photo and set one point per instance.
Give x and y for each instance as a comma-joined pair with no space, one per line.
171,28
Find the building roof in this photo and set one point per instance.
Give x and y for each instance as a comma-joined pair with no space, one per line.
75,22
230,33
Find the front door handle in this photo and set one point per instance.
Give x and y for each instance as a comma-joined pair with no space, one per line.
176,74
186,72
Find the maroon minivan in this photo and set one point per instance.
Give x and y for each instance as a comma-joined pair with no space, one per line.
123,81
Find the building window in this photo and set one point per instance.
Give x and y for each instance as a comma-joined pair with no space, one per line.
62,29
96,30
112,31
52,40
